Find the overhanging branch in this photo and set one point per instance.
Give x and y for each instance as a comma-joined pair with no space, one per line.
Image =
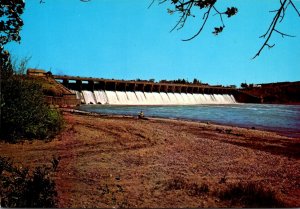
279,16
206,15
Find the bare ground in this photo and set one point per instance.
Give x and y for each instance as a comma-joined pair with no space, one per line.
127,162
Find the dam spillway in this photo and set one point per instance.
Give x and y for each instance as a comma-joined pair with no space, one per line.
120,92
151,98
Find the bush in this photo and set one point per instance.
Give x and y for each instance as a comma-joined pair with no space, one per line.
193,189
197,190
251,195
24,112
21,188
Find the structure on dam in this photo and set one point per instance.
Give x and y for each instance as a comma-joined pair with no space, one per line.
84,90
120,92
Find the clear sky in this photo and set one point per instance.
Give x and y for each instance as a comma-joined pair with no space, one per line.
123,39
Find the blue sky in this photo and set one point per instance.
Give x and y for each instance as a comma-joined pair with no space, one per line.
123,39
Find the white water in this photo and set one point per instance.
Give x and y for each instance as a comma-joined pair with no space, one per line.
101,97
89,97
112,97
151,98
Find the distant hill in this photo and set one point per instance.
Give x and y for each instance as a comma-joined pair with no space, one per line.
277,93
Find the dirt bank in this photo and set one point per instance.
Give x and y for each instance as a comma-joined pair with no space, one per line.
125,162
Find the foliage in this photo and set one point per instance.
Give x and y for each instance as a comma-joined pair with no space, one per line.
244,85
10,27
20,65
196,81
20,187
11,23
182,81
23,111
186,9
198,190
114,196
251,195
192,189
6,68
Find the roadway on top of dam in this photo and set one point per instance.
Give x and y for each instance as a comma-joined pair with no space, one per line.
91,84
65,78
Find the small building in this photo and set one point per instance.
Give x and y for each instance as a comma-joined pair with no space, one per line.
36,72
257,85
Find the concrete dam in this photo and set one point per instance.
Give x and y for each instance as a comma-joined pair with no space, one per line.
120,92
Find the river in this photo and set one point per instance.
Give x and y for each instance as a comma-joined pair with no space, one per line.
284,119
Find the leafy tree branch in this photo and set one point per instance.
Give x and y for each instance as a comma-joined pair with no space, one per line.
10,26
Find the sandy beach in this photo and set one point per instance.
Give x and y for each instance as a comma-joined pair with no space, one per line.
119,161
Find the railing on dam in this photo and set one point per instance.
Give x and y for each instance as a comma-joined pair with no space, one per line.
85,83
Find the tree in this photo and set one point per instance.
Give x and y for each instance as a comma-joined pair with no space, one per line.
196,81
244,85
185,7
23,110
10,27
24,113
11,22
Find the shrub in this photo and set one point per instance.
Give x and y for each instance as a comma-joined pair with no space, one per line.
175,184
197,190
24,112
193,189
21,188
251,195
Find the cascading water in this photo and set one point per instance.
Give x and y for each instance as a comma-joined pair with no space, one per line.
132,98
173,99
184,98
101,97
165,98
151,98
89,97
141,97
112,97
122,97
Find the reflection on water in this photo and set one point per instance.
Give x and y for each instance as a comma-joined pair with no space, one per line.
280,118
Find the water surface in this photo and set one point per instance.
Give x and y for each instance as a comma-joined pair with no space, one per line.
284,119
